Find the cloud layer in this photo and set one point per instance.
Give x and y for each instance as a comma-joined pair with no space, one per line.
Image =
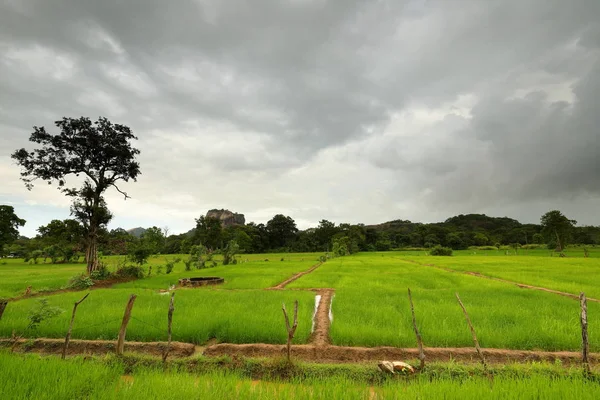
354,111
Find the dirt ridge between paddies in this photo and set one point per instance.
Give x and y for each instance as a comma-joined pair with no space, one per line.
493,278
100,284
325,354
283,284
320,336
77,346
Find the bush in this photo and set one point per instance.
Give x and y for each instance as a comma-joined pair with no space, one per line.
171,264
101,273
130,271
139,255
440,251
80,282
41,313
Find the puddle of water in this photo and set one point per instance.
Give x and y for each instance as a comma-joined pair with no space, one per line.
317,301
330,312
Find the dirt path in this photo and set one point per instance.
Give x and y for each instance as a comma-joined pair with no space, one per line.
293,278
309,352
55,346
518,284
104,284
341,354
320,336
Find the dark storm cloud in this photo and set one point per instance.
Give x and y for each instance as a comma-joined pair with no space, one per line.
461,105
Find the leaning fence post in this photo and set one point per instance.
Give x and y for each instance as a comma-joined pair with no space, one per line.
123,330
68,337
291,330
419,339
3,305
472,332
170,321
585,345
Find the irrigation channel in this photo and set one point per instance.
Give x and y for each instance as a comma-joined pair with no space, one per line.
319,348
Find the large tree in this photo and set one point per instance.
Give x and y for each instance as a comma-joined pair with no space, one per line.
9,226
282,231
100,151
557,228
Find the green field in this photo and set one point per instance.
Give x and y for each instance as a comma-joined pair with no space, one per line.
370,307
33,377
571,275
253,271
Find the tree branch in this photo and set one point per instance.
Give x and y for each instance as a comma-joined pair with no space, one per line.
120,191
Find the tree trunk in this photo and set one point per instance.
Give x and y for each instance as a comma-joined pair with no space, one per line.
91,253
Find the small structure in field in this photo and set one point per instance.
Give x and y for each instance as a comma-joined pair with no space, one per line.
201,281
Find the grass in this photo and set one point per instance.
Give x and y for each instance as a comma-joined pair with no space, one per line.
16,276
571,275
200,314
27,376
371,308
253,271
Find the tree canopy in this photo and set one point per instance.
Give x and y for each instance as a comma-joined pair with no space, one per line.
100,151
557,228
9,226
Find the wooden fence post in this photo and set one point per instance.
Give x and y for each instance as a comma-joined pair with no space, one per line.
472,332
419,339
68,337
170,319
3,305
291,330
585,345
123,330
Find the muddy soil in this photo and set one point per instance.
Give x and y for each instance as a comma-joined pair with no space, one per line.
320,336
341,354
55,346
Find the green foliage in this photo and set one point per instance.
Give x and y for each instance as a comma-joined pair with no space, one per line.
208,232
229,253
139,254
557,228
102,273
200,257
53,252
440,251
81,281
101,151
282,231
170,264
153,239
339,246
130,271
42,313
9,226
35,255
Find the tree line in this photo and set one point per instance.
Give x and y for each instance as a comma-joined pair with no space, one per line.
65,240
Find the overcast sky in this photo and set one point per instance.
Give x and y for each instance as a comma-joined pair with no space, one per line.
348,110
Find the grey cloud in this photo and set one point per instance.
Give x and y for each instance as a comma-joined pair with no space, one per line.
252,91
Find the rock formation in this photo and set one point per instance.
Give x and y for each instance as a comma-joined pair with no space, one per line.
226,217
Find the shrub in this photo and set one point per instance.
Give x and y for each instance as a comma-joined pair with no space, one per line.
80,282
139,255
130,271
171,264
41,313
101,273
230,251
440,251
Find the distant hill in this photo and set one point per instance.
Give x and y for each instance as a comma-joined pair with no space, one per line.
137,232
